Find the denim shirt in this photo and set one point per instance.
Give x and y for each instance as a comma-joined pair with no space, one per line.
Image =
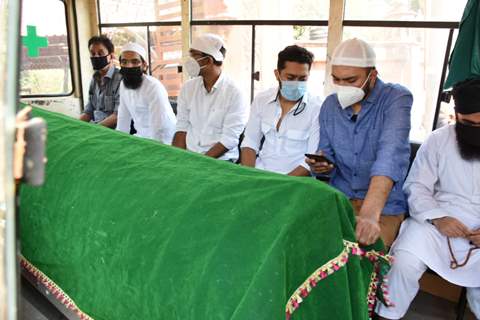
376,144
103,97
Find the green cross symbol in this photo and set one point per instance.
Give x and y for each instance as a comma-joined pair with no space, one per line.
33,43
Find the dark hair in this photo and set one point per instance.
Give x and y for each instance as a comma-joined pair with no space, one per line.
295,54
215,62
104,40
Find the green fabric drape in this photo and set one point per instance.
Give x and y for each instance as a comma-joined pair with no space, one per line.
465,59
132,229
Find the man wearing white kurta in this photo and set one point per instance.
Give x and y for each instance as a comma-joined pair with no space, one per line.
286,117
211,110
143,99
443,190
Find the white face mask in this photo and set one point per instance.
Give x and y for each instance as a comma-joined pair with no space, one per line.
192,67
349,95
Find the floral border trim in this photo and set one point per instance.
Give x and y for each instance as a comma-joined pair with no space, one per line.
53,288
350,248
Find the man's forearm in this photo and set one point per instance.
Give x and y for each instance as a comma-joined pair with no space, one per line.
216,151
248,157
299,172
85,117
180,140
110,121
377,195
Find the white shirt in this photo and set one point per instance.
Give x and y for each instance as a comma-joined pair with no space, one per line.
150,110
211,117
442,184
284,149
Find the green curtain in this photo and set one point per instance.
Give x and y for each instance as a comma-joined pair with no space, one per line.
465,59
132,229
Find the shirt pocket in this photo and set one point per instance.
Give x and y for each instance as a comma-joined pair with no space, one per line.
296,141
216,118
109,104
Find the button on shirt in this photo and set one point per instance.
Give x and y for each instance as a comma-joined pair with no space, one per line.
284,149
376,144
104,95
150,110
211,117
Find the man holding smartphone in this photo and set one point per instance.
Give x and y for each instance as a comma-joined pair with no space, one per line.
285,118
364,132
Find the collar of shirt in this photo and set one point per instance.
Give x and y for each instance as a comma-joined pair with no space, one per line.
368,102
303,101
218,84
108,75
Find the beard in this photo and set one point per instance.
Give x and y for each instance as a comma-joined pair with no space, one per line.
468,141
132,77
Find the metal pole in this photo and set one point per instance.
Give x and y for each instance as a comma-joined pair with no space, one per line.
252,70
442,79
9,109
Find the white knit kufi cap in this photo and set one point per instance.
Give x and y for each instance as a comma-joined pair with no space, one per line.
354,53
135,47
210,44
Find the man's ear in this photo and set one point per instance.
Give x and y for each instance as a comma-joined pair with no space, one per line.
277,75
145,67
373,78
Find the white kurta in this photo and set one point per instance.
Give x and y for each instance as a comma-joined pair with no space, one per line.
149,108
442,184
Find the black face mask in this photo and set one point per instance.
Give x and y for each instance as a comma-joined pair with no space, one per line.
468,138
132,77
98,63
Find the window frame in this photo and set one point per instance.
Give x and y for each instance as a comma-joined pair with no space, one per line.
70,62
451,26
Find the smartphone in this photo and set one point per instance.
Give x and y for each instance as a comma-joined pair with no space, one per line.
318,158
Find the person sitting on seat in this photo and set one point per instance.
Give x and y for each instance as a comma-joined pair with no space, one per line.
364,131
143,98
211,110
443,188
103,93
286,117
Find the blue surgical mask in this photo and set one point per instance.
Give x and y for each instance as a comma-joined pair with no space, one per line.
293,90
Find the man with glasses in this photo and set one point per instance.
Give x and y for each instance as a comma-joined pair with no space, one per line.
143,98
211,110
285,118
103,93
443,189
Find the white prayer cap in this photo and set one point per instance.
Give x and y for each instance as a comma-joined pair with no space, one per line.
135,47
210,44
354,53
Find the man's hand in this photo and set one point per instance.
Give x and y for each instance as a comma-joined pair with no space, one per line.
451,227
367,230
475,237
318,167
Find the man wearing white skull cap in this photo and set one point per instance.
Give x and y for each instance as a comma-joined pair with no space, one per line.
211,110
364,132
143,98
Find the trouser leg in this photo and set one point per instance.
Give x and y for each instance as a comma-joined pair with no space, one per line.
473,296
403,284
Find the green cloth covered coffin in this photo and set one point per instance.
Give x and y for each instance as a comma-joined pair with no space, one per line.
127,228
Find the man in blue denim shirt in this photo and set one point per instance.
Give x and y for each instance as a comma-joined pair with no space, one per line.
364,130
